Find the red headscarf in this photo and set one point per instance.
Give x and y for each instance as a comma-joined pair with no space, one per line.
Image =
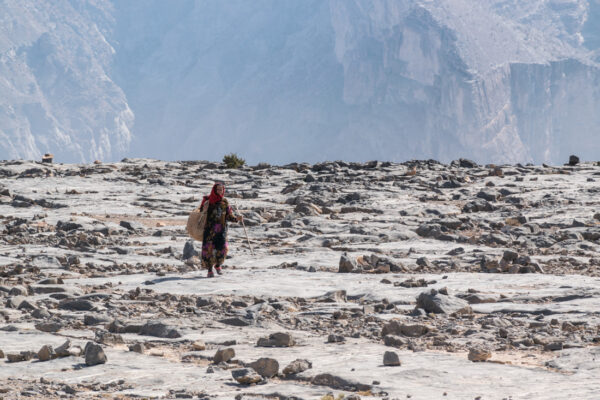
214,197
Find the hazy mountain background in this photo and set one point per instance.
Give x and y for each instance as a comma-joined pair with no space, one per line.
302,80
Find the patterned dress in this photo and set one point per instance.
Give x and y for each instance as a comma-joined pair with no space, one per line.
214,243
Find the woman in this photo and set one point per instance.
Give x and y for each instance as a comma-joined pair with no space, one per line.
214,243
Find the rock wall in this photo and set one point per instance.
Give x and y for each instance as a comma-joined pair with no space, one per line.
56,93
495,81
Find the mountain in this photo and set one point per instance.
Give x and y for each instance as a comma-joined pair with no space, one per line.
280,81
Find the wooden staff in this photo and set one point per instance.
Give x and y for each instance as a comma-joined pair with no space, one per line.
244,225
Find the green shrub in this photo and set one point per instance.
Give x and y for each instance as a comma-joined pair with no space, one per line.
233,161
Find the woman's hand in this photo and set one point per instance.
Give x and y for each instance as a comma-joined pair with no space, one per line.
240,218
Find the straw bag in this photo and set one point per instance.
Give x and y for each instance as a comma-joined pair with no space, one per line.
196,222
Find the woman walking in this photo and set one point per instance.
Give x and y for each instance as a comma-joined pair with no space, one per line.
214,243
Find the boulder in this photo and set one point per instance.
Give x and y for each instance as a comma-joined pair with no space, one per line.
266,367
396,328
199,345
337,382
19,357
90,319
278,339
76,305
223,355
137,348
94,354
15,302
237,321
297,366
246,376
573,160
335,338
347,263
158,329
434,302
46,353
394,341
63,349
477,354
189,250
391,359
131,225
49,327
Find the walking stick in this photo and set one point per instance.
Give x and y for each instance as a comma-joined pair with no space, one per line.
246,233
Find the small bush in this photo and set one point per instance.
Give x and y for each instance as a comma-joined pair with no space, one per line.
233,161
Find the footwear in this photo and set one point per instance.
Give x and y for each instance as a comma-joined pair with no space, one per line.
218,269
210,274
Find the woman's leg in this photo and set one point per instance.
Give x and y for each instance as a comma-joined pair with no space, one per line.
220,258
208,257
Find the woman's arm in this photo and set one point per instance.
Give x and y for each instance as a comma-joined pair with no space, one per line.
233,218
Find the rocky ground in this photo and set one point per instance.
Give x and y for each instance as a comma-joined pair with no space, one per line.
378,280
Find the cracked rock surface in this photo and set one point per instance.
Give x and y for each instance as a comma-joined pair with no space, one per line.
459,273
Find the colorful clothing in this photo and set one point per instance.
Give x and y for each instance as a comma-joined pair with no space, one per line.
214,243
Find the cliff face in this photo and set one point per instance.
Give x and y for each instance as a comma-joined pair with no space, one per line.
501,81
496,81
56,95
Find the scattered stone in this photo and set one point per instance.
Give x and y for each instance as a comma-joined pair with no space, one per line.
63,349
332,338
336,382
391,359
46,353
137,348
90,319
223,355
246,376
158,329
189,250
76,305
131,226
477,354
397,328
347,263
237,321
94,354
48,326
394,341
573,160
554,346
266,367
297,366
433,302
199,345
278,339
20,357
